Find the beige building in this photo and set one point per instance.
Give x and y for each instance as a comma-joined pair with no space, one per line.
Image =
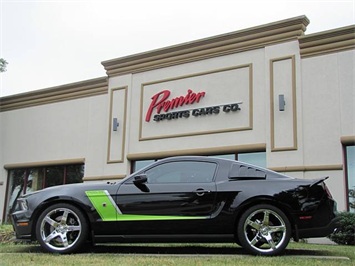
270,95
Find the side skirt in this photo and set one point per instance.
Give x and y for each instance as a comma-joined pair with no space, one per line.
227,238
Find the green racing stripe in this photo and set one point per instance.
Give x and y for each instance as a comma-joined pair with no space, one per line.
104,204
109,211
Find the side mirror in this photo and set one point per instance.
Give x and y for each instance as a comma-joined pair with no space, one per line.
140,179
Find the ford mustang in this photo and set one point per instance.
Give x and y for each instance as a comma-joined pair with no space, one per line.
180,199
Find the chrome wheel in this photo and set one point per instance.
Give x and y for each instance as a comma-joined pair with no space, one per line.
264,230
61,228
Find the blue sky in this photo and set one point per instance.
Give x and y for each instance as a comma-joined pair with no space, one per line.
50,43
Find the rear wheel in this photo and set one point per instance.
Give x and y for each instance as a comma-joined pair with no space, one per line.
264,230
61,228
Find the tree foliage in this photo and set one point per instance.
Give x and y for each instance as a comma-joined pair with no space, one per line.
345,234
3,64
352,198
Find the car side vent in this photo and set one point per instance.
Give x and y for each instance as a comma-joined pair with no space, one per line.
245,172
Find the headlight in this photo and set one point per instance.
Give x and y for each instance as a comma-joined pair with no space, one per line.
22,204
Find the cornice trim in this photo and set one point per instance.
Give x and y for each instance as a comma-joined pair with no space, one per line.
348,140
243,40
66,92
44,163
326,42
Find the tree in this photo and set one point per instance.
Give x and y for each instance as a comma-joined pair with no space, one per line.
352,198
3,64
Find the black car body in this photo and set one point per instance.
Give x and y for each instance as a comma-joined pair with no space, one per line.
181,199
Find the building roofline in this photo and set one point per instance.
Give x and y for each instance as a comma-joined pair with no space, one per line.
65,92
237,41
315,44
330,41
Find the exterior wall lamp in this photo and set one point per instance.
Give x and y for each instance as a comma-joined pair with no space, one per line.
115,124
282,102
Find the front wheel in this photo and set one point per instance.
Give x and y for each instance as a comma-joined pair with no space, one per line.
264,230
61,228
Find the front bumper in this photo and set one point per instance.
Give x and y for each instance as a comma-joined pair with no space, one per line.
22,226
319,231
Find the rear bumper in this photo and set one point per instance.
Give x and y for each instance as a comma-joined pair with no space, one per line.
319,231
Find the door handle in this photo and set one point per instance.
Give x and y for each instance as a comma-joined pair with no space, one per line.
200,192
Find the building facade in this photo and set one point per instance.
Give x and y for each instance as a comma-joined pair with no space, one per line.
269,95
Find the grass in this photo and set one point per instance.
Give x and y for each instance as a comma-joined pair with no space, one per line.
6,233
175,254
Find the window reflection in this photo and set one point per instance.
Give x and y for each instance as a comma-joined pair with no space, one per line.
16,185
350,161
225,156
26,180
141,164
255,158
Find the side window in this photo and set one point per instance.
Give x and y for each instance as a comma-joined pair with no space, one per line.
182,172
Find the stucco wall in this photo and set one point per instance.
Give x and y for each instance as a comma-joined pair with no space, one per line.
251,67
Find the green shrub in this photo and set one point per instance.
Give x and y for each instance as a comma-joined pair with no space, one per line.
345,235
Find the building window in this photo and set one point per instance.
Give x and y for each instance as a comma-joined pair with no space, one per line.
350,176
25,180
137,165
226,156
255,158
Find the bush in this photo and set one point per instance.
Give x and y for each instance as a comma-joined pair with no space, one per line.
345,235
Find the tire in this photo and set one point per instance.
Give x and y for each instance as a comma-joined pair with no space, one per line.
61,228
264,230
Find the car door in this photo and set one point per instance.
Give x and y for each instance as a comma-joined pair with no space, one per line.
172,197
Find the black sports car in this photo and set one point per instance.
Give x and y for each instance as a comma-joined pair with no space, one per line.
180,199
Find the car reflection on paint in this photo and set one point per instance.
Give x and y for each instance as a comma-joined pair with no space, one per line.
180,199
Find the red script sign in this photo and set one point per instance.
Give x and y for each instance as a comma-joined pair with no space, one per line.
160,101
